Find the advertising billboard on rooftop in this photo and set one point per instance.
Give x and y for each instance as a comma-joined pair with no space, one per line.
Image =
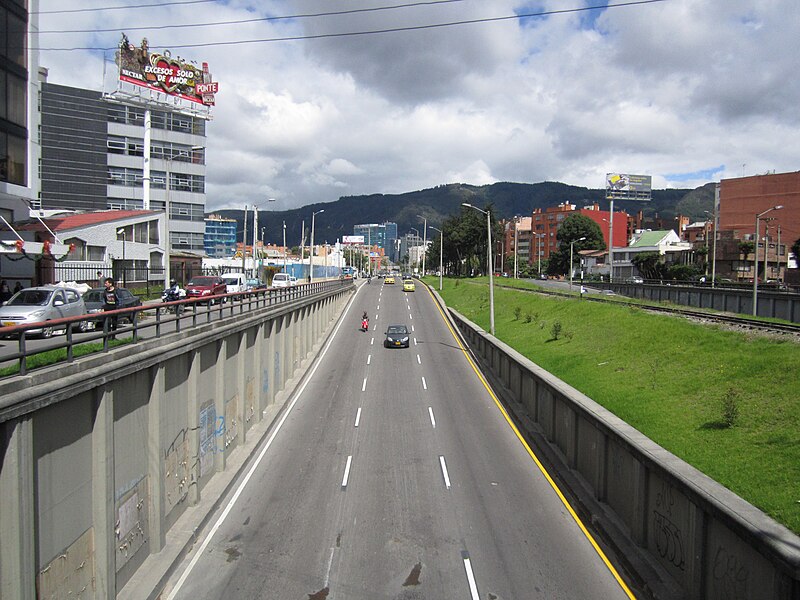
163,73
621,186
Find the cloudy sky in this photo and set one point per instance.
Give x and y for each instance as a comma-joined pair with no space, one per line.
688,91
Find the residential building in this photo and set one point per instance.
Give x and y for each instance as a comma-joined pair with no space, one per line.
124,244
666,243
219,239
92,158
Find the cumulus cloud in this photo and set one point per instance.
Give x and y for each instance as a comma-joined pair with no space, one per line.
680,90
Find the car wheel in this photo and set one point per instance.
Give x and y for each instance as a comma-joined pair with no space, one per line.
83,326
47,332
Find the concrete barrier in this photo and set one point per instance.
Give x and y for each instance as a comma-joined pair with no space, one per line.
102,457
680,533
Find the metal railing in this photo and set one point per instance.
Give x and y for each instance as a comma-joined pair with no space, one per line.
162,318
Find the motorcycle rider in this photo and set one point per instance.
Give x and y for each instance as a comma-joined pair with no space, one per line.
364,321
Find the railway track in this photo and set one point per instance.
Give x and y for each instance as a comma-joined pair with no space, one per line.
737,321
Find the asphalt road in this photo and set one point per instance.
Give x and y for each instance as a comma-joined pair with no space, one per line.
394,475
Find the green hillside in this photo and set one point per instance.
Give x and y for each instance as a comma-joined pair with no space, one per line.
437,203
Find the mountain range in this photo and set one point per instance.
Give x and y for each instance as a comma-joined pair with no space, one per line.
438,203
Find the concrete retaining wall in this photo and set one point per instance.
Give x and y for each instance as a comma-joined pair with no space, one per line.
101,457
771,304
701,540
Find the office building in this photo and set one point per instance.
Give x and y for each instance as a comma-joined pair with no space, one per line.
92,158
220,237
382,235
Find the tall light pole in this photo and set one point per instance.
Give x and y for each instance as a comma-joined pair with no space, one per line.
284,246
124,270
539,244
255,233
415,230
516,241
168,209
716,227
571,246
311,251
424,242
491,270
755,258
441,254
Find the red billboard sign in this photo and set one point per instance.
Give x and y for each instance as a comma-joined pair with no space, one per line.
163,73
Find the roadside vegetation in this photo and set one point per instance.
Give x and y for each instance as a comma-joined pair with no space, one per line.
51,357
724,401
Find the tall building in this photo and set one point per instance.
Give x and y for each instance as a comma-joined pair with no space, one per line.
220,237
92,158
382,235
18,114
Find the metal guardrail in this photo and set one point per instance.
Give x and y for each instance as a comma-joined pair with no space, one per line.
169,318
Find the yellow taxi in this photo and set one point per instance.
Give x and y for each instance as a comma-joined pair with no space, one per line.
408,285
389,280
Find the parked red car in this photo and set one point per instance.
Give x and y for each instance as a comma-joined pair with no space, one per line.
205,285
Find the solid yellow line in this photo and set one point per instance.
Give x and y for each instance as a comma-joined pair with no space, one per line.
536,460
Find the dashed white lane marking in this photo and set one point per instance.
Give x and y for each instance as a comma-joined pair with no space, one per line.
419,362
364,385
410,316
412,328
347,471
473,587
369,358
372,341
444,472
433,419
358,417
424,385
415,341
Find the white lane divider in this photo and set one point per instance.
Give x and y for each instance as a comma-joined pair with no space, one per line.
369,358
364,385
419,362
415,341
473,587
358,416
444,472
424,385
410,316
412,328
372,341
433,419
347,471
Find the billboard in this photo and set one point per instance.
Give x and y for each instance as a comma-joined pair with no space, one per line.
163,73
620,186
353,239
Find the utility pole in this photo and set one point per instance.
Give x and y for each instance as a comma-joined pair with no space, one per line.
244,241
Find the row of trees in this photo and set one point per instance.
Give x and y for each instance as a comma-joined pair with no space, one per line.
465,244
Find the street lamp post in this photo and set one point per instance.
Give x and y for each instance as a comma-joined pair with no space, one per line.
714,247
424,242
755,258
311,251
516,242
489,252
124,270
441,254
168,209
571,245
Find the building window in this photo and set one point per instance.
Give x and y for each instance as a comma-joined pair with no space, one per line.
95,253
12,159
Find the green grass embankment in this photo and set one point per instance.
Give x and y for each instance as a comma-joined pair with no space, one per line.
726,402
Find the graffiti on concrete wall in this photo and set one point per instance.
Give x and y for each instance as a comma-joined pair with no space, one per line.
668,536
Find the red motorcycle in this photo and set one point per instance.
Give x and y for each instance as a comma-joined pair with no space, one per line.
364,324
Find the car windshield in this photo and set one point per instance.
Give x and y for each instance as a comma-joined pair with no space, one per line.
30,298
94,296
202,281
396,329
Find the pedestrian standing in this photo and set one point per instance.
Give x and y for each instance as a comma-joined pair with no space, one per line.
5,292
110,301
100,279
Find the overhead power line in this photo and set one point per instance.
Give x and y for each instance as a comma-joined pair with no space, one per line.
131,6
377,31
260,19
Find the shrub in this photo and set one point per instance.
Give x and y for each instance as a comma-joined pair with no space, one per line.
517,313
555,330
730,408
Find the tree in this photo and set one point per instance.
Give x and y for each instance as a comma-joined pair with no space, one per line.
572,229
648,264
746,248
796,249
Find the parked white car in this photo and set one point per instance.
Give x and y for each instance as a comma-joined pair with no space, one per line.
281,280
236,282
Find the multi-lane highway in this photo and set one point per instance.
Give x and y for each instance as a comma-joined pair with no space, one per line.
394,474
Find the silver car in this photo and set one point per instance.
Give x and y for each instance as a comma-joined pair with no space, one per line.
40,304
